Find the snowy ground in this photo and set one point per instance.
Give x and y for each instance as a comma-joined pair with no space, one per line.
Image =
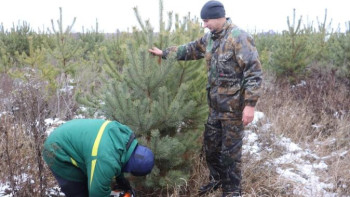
297,166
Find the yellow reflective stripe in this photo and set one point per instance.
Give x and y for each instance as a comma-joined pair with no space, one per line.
98,138
93,164
73,162
95,148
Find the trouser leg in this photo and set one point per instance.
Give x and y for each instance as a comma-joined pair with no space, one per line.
72,188
212,148
231,154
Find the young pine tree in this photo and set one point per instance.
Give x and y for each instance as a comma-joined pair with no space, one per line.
66,56
35,66
338,52
163,101
293,52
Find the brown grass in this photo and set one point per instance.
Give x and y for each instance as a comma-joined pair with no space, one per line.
22,133
315,116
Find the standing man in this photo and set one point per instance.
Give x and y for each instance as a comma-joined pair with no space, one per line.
87,155
234,80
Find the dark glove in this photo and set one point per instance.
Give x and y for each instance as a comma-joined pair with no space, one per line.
132,192
123,184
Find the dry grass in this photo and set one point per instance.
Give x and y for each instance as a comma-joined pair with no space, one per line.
315,115
22,133
335,150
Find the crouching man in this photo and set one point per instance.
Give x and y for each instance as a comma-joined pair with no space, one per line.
86,155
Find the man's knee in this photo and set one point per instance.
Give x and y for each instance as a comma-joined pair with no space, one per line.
72,188
212,139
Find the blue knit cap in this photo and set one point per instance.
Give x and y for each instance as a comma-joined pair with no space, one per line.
141,161
213,10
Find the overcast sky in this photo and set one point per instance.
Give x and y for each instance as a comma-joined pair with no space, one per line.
259,15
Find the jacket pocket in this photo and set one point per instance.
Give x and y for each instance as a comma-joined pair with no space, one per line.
229,98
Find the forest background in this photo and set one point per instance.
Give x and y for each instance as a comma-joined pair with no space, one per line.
58,75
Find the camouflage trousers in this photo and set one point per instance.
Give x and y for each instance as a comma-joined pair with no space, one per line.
223,151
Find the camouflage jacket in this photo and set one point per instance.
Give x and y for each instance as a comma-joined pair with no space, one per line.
234,69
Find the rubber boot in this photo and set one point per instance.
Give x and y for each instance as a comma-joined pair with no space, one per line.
210,187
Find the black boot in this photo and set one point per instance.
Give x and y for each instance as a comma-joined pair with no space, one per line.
231,194
211,186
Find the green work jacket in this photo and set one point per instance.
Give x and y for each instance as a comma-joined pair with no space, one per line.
92,150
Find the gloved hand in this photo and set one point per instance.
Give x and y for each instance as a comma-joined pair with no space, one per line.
123,184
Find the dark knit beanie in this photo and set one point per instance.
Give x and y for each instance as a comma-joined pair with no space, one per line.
212,10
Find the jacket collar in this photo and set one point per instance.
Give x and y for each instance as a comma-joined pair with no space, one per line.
222,33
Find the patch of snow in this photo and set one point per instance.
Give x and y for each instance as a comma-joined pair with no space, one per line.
301,84
293,166
257,116
6,187
83,109
316,126
301,171
2,113
52,123
251,145
53,191
79,116
287,143
322,165
67,88
3,188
